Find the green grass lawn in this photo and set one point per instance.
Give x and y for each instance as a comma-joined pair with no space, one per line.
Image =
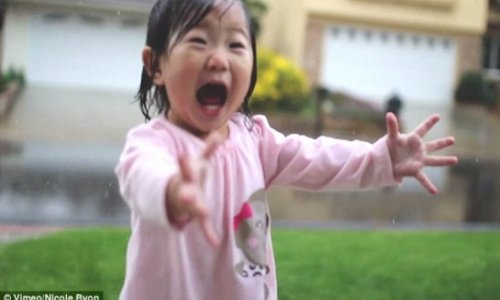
311,264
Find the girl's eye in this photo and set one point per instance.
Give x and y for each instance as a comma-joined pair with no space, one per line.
198,40
236,45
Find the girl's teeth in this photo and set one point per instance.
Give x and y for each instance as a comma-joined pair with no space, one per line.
211,109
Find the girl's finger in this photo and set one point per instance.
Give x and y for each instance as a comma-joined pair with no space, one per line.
427,125
179,212
440,161
392,125
200,211
439,144
209,231
426,183
185,169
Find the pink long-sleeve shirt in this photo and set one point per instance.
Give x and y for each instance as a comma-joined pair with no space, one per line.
165,263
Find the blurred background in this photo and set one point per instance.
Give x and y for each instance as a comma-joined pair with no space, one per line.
70,70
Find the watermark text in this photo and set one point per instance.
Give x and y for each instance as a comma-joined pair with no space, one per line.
22,295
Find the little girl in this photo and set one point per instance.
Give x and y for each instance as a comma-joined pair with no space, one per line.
195,175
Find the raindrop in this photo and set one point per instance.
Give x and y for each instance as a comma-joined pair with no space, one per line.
393,221
477,160
118,12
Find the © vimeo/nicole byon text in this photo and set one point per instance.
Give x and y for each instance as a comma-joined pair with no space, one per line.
51,295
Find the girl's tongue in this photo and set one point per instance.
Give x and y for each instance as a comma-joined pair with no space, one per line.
211,97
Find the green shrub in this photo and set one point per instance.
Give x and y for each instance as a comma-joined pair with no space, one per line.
10,76
281,86
473,88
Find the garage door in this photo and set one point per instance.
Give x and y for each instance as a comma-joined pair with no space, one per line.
85,50
374,64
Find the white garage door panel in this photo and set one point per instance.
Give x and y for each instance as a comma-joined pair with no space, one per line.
72,51
375,64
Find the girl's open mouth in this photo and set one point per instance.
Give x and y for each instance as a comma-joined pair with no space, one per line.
211,97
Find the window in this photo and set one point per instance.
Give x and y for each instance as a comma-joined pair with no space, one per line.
416,40
431,41
91,18
352,33
335,31
54,17
368,34
491,52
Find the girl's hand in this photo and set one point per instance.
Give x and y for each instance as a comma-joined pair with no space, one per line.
410,154
185,193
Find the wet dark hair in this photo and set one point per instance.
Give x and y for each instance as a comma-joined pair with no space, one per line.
169,21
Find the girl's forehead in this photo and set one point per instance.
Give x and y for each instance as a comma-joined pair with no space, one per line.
227,11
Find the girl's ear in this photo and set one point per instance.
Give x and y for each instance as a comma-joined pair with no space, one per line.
148,61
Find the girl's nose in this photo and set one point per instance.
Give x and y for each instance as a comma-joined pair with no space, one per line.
217,61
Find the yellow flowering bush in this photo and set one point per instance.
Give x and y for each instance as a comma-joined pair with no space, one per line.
281,85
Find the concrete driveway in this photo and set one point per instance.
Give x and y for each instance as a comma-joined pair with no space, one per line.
71,116
65,144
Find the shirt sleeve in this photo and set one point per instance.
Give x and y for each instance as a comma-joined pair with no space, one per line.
144,170
322,163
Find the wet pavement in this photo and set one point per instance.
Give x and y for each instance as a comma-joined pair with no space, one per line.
60,147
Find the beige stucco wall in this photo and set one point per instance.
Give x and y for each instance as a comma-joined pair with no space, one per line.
284,27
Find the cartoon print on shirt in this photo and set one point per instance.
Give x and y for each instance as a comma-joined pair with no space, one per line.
251,226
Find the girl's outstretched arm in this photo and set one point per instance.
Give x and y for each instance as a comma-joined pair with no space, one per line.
185,198
410,154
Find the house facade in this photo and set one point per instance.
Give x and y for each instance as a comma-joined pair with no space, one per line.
375,48
69,43
368,48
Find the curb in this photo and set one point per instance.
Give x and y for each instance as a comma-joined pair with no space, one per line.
14,233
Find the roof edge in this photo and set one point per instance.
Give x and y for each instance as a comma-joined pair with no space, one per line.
110,5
